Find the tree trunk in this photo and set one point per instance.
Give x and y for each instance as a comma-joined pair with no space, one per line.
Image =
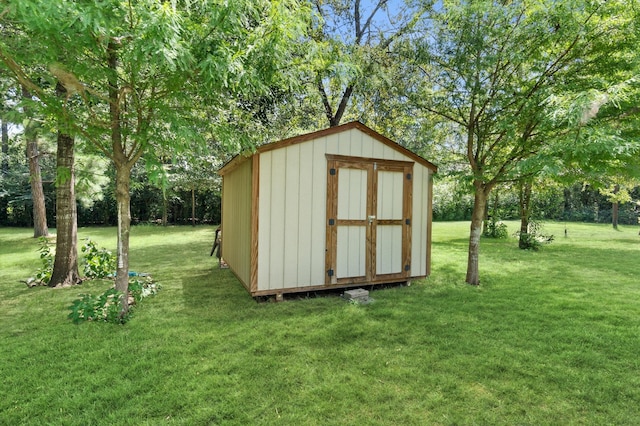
123,179
124,157
164,208
525,203
193,207
40,228
477,216
4,169
5,147
485,221
334,118
615,208
65,266
342,107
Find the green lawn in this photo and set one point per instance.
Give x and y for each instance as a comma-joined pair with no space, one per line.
549,337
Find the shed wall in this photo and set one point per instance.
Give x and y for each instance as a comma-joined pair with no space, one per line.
236,221
421,217
292,208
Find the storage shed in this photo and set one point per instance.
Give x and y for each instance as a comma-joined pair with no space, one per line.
340,207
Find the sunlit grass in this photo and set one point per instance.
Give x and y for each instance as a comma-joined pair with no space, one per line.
549,337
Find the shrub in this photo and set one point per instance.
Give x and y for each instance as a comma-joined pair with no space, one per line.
533,239
496,229
43,275
141,287
98,263
106,306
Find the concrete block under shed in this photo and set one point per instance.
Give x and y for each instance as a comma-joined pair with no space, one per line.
357,294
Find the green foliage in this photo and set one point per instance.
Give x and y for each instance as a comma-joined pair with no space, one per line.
107,305
141,287
63,174
452,199
617,193
98,263
534,238
104,307
166,75
496,229
350,67
43,275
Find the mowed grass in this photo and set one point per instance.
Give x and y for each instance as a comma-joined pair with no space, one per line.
549,337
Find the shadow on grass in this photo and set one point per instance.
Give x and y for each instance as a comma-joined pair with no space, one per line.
456,242
21,246
213,288
567,263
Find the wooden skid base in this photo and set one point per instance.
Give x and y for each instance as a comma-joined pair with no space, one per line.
282,291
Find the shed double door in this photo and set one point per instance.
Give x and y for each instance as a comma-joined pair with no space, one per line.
368,220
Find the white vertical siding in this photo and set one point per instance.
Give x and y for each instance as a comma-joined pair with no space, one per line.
352,194
305,220
378,150
421,178
277,223
264,220
389,249
236,216
292,212
390,186
293,209
318,208
351,251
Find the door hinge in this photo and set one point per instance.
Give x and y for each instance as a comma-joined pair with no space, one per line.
332,172
407,221
330,272
332,222
408,176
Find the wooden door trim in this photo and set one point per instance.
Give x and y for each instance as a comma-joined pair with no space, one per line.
331,231
367,160
407,207
372,165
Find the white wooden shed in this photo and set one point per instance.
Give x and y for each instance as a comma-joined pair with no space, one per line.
340,207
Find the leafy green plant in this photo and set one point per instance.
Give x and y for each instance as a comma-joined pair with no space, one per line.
496,229
83,309
98,263
534,239
106,306
43,275
141,287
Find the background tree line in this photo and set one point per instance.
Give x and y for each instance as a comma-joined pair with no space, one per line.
573,203
452,201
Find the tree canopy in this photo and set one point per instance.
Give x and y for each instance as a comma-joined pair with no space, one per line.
490,70
142,75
